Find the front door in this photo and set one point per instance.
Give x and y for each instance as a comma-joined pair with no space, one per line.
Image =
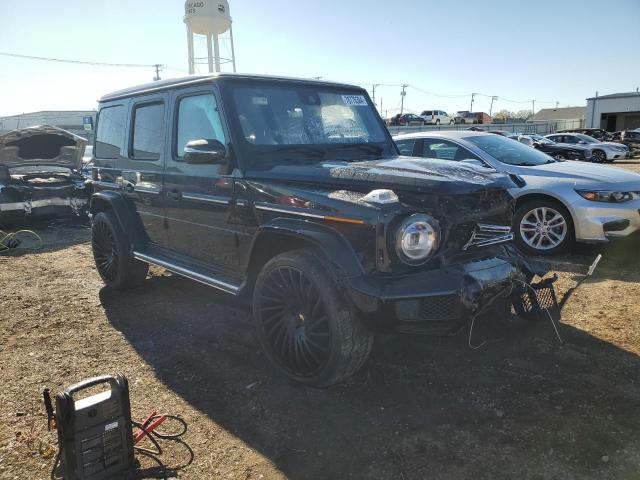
199,197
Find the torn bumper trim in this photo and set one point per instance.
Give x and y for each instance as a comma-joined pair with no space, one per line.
437,300
27,206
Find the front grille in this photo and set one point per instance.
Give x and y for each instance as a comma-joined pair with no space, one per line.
441,307
485,234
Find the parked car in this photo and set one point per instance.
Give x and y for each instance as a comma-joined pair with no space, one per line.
436,117
407,119
597,133
600,151
466,117
558,151
561,201
504,133
630,138
292,193
39,174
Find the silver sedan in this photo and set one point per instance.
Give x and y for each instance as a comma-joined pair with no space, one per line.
561,201
600,151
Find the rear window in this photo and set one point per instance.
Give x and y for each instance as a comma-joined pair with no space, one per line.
110,133
427,112
148,131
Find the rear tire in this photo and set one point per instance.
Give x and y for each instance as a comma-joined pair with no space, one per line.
114,262
438,121
305,325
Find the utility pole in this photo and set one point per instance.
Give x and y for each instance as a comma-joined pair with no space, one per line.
491,107
557,103
381,106
472,97
402,95
533,107
158,67
373,92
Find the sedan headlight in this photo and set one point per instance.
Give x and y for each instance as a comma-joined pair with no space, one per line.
608,195
417,237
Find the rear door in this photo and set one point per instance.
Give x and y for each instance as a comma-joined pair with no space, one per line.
199,197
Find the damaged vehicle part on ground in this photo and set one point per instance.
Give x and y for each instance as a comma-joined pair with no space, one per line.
291,192
39,174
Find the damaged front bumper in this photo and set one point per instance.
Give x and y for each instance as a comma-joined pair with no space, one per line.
440,301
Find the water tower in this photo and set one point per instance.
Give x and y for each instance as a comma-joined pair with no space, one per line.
210,18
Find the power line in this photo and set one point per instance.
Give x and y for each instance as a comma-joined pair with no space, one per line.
78,62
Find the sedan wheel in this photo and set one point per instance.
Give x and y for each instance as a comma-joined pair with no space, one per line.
543,227
559,156
599,156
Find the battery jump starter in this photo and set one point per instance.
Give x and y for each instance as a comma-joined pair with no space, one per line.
95,437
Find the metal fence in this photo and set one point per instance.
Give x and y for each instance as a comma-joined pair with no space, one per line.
541,128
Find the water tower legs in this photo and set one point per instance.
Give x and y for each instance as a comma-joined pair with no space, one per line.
192,66
210,53
233,50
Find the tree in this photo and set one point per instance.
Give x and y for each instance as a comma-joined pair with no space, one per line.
523,114
503,115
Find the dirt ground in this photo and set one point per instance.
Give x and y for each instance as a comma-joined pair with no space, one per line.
524,405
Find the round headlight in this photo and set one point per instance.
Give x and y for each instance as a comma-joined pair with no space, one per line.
417,238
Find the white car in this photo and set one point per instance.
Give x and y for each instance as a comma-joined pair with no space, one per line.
558,202
600,151
436,117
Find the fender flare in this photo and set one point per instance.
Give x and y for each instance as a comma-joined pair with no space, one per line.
337,249
124,212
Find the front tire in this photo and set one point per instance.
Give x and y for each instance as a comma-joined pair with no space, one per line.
543,227
114,262
598,156
438,121
303,322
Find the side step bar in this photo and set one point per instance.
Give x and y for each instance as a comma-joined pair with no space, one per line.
225,286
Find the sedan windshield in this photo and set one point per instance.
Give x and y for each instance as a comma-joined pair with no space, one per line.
507,151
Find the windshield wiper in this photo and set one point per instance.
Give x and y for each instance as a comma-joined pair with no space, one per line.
375,149
306,149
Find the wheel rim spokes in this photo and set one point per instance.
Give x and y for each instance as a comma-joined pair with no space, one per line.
543,228
105,252
294,321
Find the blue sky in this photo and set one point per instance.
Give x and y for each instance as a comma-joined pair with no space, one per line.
547,50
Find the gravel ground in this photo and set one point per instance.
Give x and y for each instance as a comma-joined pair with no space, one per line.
524,405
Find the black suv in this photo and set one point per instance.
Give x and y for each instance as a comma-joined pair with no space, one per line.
292,193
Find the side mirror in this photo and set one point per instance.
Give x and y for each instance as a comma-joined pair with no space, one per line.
536,145
202,152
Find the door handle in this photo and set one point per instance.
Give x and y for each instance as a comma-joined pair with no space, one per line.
175,195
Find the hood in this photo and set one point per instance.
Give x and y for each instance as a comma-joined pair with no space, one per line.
400,173
42,146
585,174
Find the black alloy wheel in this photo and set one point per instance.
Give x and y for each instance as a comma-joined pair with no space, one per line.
598,156
295,321
305,326
105,251
111,252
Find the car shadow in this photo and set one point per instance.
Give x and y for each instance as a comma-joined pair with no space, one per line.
510,402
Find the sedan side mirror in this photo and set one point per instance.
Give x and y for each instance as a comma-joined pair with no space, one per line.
202,152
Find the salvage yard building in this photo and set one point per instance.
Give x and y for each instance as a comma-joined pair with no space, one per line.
618,111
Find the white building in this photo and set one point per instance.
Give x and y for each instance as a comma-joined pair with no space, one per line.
80,122
618,111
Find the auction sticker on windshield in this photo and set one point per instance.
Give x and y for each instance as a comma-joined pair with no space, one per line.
354,100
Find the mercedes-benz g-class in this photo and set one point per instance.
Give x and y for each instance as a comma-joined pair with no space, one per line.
292,193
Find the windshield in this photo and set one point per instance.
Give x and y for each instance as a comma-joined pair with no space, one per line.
541,139
302,115
587,138
507,151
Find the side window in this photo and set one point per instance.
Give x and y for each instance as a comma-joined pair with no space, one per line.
570,139
445,150
148,131
198,119
406,146
110,133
